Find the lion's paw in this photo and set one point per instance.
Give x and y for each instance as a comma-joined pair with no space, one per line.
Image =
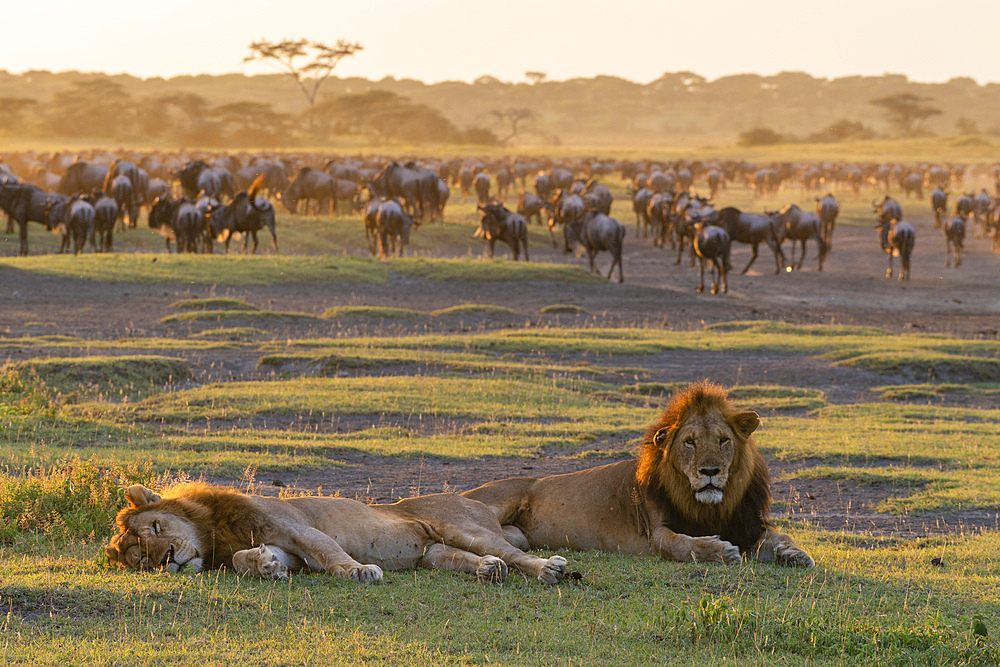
791,555
366,574
714,550
491,570
553,570
263,562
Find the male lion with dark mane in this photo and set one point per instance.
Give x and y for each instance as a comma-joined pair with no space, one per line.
699,491
201,526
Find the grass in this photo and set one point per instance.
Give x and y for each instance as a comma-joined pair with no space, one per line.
228,314
131,375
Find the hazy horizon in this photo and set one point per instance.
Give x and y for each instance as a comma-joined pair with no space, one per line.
451,40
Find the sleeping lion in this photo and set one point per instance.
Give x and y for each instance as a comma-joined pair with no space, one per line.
200,526
699,491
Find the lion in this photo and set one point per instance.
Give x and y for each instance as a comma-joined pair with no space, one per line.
198,526
699,491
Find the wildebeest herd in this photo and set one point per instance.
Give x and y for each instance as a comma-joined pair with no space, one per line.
195,201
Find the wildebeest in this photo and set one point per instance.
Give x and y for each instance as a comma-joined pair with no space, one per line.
897,238
316,186
954,238
106,214
887,210
178,220
565,209
72,218
482,185
543,186
827,209
530,206
939,204
198,177
640,205
598,197
393,226
504,179
913,184
982,211
82,177
246,214
597,232
799,226
753,229
498,223
418,187
25,203
712,244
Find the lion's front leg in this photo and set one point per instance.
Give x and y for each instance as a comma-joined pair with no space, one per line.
488,569
321,552
684,548
775,547
264,561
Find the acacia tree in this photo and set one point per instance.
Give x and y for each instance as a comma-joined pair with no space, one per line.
320,61
906,112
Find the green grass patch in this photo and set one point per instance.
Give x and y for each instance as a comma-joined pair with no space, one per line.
475,310
226,315
562,309
230,333
911,392
190,269
372,313
130,375
213,303
927,364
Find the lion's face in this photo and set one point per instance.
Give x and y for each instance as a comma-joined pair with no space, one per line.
154,539
704,449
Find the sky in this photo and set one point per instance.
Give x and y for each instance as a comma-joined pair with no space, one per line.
440,40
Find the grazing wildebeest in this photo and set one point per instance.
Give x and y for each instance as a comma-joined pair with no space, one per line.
797,225
504,179
500,224
370,213
310,185
753,229
939,204
178,220
198,177
393,225
565,209
25,203
712,244
246,214
827,209
120,189
482,185
954,238
596,232
465,177
897,238
73,217
530,206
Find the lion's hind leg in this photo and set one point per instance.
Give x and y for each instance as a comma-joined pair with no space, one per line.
488,569
263,561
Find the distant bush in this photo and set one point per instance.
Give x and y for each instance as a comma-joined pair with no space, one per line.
760,136
842,130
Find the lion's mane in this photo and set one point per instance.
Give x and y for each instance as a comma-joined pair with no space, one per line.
742,515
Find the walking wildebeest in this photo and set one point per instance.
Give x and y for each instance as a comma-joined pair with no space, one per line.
897,238
800,226
596,232
753,229
954,238
712,244
24,204
500,224
827,209
939,204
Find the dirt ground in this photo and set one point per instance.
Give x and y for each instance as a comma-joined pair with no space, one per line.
852,289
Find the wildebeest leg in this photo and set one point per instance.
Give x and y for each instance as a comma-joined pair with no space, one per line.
701,274
802,257
491,245
947,252
108,238
752,258
593,269
524,242
254,251
23,234
888,273
779,256
723,283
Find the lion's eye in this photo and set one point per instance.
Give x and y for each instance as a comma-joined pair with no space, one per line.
156,527
724,441
689,443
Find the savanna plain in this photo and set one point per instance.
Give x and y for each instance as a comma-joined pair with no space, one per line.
322,370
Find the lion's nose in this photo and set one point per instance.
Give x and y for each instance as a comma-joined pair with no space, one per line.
709,472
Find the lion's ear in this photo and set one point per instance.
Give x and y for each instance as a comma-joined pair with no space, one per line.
661,436
746,422
138,495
